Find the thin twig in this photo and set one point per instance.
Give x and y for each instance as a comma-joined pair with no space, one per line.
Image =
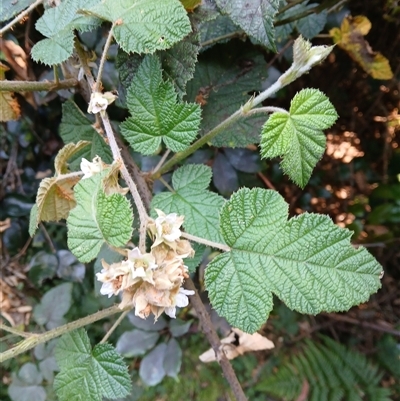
103,59
161,162
204,241
20,16
113,327
16,332
230,35
47,236
33,86
41,338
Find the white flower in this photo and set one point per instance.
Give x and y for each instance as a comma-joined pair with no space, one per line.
165,228
90,168
181,301
100,101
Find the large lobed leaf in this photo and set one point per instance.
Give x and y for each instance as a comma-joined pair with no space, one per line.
58,24
144,26
191,199
156,113
255,17
88,374
97,218
307,261
297,135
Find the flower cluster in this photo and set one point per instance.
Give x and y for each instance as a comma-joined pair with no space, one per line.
152,282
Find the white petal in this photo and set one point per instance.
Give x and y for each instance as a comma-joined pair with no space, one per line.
171,311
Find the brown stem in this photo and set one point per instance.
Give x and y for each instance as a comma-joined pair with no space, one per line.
33,86
213,339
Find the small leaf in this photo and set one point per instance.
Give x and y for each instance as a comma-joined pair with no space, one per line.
151,369
144,26
172,358
26,385
55,199
350,37
308,262
64,154
42,266
156,114
75,127
9,107
256,18
88,374
243,159
313,24
97,219
69,268
192,200
297,135
12,7
53,306
57,25
178,327
136,342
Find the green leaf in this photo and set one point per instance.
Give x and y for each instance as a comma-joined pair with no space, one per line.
58,24
297,135
255,17
75,126
156,114
313,24
33,220
53,306
11,7
88,374
97,219
179,63
191,199
26,386
308,262
136,342
144,26
222,83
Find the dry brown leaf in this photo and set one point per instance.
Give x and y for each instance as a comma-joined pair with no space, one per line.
9,107
350,37
238,343
4,224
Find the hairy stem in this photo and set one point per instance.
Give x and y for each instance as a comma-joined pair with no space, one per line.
242,112
32,86
117,156
204,241
40,338
16,332
103,59
266,109
20,16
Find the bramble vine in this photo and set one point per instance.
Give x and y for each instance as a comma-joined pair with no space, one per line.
306,261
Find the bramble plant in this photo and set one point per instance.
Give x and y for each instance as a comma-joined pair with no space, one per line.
147,246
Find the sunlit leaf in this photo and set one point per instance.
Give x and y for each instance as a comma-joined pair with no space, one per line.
297,135
144,26
350,37
308,262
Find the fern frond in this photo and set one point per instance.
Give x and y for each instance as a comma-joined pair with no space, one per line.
333,372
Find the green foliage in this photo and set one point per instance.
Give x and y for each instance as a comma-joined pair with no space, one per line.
26,385
333,372
256,18
98,218
89,374
297,135
144,26
11,7
53,306
307,261
156,114
58,24
225,82
192,199
74,127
